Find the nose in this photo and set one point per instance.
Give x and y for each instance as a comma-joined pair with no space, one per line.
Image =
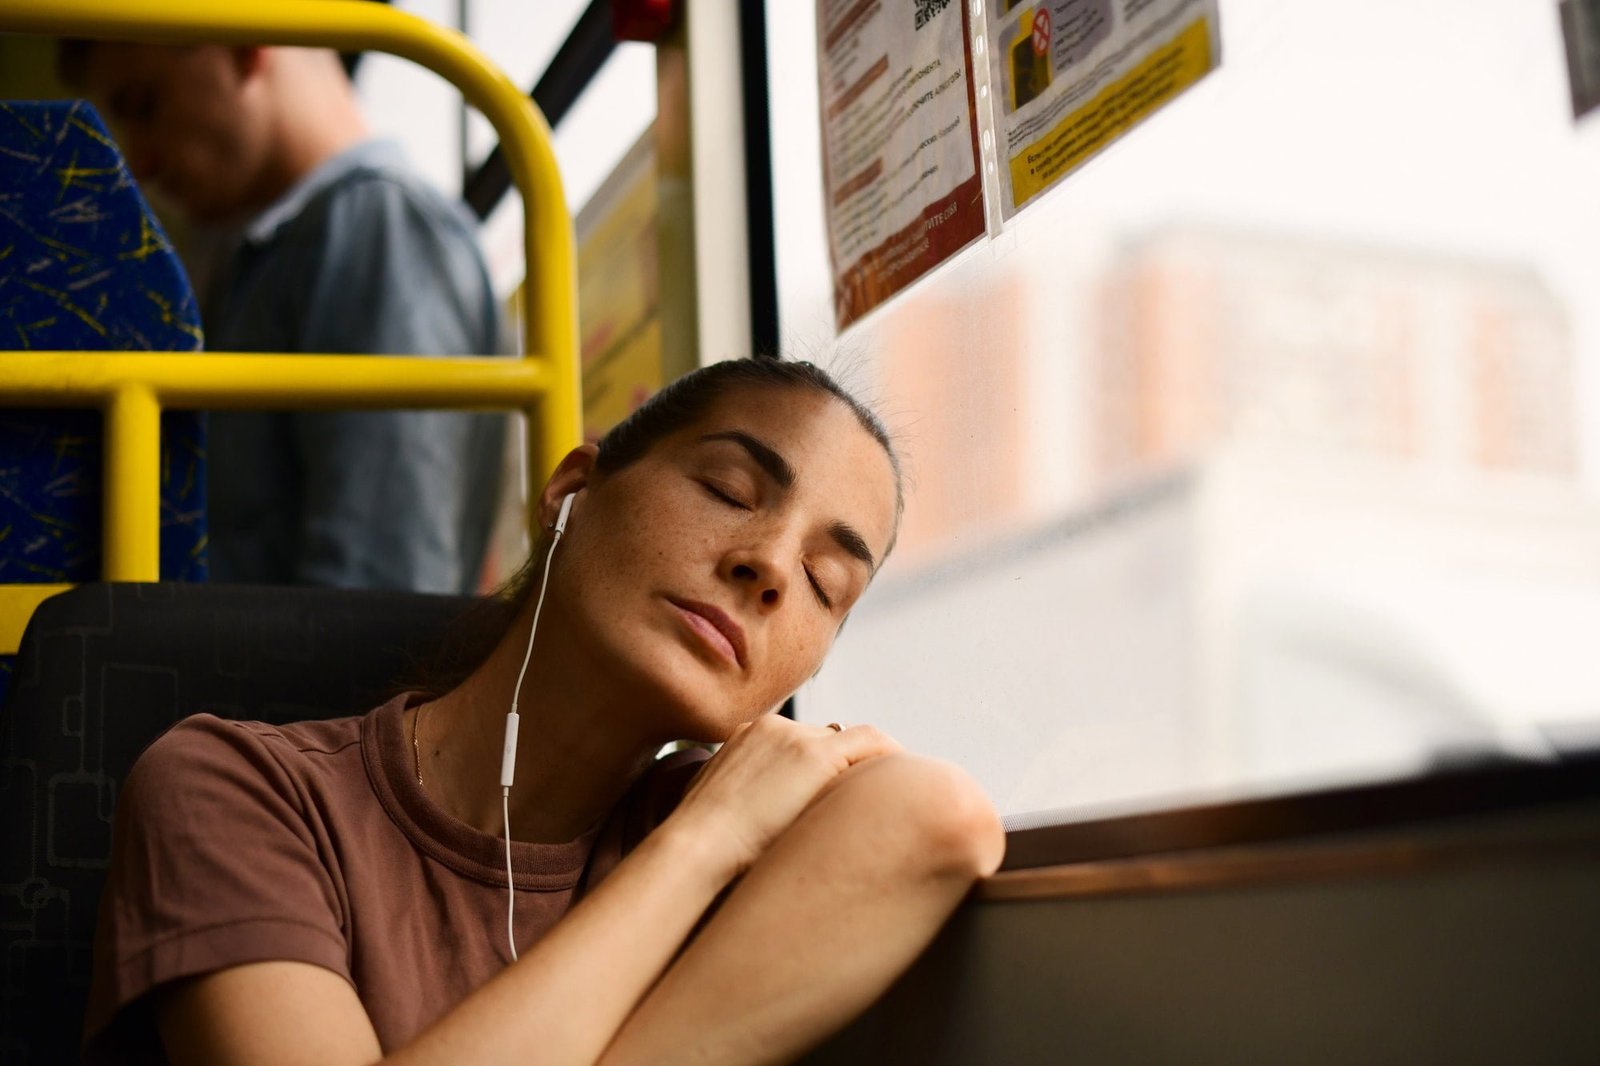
757,574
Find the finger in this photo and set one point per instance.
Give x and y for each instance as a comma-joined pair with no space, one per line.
860,742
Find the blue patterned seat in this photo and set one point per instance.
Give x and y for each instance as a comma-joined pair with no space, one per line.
84,265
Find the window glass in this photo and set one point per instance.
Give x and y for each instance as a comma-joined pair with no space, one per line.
411,104
608,117
424,112
521,38
1261,455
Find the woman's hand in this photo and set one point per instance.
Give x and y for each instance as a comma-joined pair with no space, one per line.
769,771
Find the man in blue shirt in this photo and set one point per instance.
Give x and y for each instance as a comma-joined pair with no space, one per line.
342,249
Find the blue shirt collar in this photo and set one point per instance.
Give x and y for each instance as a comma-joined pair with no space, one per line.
368,155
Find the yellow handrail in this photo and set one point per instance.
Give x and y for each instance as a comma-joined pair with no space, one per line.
133,388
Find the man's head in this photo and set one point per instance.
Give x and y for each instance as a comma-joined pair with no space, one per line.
217,131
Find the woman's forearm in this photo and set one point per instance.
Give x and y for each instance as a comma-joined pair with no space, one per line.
593,986
582,991
569,994
823,922
563,1002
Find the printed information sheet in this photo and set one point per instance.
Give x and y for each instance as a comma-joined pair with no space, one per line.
619,292
899,144
1071,76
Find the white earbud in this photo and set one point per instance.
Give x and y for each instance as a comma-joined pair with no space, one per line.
566,509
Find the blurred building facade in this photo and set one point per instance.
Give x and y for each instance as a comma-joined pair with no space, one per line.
1148,355
1283,343
1322,524
1244,625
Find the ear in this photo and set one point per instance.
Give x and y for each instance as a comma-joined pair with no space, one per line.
572,474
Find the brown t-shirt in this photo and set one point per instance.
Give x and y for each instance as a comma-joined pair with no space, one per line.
241,842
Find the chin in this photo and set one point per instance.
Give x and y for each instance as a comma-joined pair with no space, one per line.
687,701
677,693
705,718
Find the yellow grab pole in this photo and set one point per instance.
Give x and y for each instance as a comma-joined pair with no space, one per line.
550,302
132,473
17,604
262,381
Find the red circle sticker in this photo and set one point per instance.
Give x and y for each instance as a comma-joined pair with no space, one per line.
1041,31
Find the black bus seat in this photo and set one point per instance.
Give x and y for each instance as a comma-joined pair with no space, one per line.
103,670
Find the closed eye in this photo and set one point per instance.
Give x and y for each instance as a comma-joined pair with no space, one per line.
723,495
816,587
717,492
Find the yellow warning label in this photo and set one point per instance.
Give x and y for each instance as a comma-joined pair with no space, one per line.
1118,107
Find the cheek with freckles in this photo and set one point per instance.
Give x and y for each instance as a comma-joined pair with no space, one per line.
796,653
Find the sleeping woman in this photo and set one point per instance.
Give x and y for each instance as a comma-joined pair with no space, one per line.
370,889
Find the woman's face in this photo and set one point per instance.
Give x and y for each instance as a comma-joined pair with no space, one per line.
708,579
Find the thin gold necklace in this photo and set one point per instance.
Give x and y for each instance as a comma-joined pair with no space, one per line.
416,749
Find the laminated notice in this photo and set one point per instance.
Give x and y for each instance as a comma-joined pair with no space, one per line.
901,179
1071,76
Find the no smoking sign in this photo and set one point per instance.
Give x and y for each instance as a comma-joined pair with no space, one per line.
1041,31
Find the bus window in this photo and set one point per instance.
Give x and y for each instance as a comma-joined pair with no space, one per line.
1262,454
426,114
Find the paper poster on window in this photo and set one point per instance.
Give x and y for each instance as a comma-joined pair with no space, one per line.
1071,76
899,144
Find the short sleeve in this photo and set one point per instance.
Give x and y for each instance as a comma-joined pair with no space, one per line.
214,864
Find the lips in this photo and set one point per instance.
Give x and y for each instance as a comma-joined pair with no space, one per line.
715,625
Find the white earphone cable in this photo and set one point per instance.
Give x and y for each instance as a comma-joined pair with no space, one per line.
511,892
508,763
534,628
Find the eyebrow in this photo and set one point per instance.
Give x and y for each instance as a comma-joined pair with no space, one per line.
853,543
779,469
776,466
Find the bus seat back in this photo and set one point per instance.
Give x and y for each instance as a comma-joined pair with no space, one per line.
103,670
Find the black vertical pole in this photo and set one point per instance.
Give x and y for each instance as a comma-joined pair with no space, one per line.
758,196
758,178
